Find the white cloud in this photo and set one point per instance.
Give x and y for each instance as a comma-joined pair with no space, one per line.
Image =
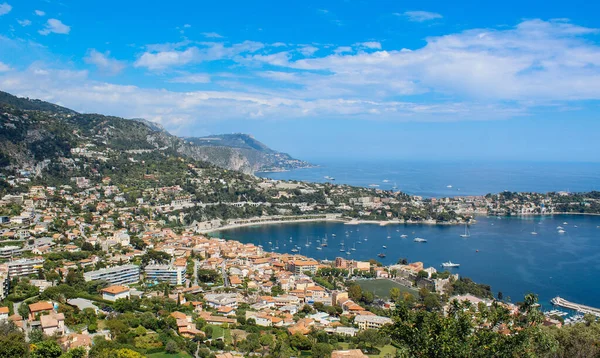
39,13
104,62
24,23
192,78
5,9
211,51
4,67
55,26
164,59
369,44
308,50
211,35
421,16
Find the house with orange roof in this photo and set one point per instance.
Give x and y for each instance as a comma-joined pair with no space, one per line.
53,324
226,311
40,308
113,293
4,312
302,326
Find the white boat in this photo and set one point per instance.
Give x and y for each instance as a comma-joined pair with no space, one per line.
565,223
385,247
561,231
467,233
559,228
448,186
374,185
329,178
319,248
385,181
450,264
403,236
418,239
389,237
353,247
294,250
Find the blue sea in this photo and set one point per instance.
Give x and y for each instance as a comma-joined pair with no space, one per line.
433,178
509,257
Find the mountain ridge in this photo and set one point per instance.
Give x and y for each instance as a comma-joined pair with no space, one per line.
38,135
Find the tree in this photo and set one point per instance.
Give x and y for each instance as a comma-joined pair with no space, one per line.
171,347
12,341
355,292
395,294
500,295
422,274
36,335
372,338
23,310
321,350
46,349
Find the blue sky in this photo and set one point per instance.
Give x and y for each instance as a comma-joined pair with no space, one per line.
457,80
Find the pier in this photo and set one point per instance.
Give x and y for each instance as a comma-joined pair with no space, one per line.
558,301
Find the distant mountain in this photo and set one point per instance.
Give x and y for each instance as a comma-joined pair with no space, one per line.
259,156
32,131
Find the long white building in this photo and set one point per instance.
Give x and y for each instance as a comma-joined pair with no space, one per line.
24,267
117,275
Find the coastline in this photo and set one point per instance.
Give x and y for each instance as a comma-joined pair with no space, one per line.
347,221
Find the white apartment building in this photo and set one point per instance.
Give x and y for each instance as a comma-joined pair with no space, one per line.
24,267
174,275
116,275
371,322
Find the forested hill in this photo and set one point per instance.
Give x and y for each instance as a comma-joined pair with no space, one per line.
33,130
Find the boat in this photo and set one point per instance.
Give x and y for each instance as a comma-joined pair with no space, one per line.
374,185
324,243
559,228
348,252
385,247
329,178
534,232
565,223
561,231
448,186
450,264
394,187
418,239
403,236
467,233
294,250
353,247
307,243
381,255
333,235
385,181
319,248
389,237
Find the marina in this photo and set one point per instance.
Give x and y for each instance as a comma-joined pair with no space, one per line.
500,252
561,302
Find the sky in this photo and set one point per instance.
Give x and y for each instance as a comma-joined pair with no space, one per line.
461,80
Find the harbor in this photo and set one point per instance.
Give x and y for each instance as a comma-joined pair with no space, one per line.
561,302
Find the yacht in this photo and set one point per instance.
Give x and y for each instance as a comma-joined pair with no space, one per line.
324,243
389,237
374,185
333,235
381,255
294,250
319,248
467,233
450,264
561,231
565,223
448,186
329,178
559,228
353,247
404,236
418,239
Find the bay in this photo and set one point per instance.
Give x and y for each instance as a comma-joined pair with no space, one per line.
432,178
509,257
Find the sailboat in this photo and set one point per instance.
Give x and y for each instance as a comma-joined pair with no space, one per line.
353,247
342,248
467,233
307,244
324,243
534,232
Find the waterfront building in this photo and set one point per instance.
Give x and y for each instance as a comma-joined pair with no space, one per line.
300,266
174,275
24,267
117,275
